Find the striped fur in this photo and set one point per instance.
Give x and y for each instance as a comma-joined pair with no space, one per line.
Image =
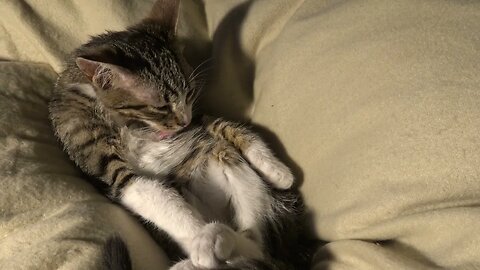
123,111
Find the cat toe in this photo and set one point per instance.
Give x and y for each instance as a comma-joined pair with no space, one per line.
224,245
273,170
283,177
277,174
213,246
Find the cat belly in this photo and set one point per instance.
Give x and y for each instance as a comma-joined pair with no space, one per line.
232,194
211,196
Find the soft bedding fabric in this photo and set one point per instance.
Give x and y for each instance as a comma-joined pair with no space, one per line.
375,103
50,218
378,103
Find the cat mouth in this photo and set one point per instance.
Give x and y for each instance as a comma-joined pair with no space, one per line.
164,134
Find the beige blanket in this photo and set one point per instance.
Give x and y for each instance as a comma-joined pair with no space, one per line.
375,104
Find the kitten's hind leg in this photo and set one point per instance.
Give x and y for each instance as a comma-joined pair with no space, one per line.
250,200
253,149
251,204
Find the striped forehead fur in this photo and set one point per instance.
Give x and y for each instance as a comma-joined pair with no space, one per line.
147,52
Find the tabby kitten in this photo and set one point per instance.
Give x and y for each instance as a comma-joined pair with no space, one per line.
123,111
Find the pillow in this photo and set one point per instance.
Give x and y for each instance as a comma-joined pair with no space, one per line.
376,103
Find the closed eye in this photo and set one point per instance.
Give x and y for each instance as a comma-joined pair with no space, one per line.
136,124
131,107
161,108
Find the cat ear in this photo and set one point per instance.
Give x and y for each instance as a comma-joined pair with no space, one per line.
88,67
165,12
104,75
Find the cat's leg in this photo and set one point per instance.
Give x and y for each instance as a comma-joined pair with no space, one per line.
164,207
250,201
217,243
208,245
253,149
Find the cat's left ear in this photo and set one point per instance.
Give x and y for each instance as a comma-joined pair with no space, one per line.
104,75
166,13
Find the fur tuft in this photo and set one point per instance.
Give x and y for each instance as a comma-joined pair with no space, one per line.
115,254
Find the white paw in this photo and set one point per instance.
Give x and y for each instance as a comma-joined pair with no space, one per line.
275,172
279,174
183,265
212,246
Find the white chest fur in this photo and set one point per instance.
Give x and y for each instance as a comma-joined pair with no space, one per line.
157,157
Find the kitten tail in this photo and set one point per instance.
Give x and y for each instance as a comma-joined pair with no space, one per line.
115,254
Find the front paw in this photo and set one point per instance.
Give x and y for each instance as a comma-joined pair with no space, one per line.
279,174
213,246
273,170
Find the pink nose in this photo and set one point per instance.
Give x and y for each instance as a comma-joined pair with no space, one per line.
183,121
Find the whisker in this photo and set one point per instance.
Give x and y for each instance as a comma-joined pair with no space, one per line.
199,74
199,65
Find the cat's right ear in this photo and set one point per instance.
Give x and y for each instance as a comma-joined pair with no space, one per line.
104,75
165,12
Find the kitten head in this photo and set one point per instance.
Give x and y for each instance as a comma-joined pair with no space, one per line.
139,75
